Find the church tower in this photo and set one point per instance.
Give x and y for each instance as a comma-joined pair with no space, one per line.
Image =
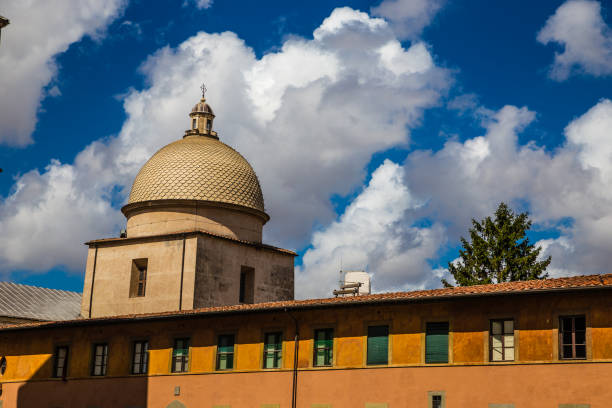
195,216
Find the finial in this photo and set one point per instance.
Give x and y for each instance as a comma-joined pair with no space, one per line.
203,88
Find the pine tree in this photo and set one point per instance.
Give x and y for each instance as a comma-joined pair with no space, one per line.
499,251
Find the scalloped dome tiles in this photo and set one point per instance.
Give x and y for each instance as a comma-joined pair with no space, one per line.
198,168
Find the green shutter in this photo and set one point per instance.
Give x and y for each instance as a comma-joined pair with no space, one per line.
323,347
181,347
436,343
378,344
225,352
273,348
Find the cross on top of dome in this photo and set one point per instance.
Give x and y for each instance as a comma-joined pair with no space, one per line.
202,117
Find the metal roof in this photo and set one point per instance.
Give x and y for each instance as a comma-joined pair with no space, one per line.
36,303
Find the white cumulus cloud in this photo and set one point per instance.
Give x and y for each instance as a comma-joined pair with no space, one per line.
408,17
375,234
569,189
309,126
49,216
39,30
578,26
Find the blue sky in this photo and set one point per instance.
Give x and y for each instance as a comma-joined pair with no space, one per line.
395,122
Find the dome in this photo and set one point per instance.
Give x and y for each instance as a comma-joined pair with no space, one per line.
202,107
198,168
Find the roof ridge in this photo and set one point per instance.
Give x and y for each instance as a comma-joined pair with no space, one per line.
602,281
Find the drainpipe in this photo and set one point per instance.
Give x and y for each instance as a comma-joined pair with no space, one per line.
182,271
93,279
296,348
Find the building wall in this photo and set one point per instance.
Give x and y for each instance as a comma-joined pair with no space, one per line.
536,378
210,274
219,265
464,387
177,218
113,266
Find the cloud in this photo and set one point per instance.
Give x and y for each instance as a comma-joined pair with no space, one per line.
199,4
309,135
578,26
48,217
408,17
37,33
374,234
568,189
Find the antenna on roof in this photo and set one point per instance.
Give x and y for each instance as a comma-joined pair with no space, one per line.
355,283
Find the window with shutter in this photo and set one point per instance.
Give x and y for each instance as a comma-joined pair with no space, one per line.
323,347
225,352
140,357
100,359
60,362
436,342
273,350
138,280
378,345
501,340
180,356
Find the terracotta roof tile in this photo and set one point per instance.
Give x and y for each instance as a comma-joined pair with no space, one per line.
507,288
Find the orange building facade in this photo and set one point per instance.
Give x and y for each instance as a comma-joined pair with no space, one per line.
522,344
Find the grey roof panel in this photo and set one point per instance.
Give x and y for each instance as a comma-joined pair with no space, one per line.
33,302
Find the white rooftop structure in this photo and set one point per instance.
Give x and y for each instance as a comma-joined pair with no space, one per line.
355,283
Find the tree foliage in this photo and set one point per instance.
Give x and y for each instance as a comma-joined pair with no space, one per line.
498,251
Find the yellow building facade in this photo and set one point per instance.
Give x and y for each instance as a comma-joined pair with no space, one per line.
536,366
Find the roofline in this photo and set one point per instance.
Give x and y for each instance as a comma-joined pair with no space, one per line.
22,318
42,287
284,307
179,235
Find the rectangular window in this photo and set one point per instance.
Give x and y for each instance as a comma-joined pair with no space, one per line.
225,352
378,345
180,356
273,350
100,359
436,399
323,347
436,342
194,124
247,285
138,281
572,337
501,340
140,357
60,362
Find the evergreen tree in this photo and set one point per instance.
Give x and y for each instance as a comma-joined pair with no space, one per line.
498,252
